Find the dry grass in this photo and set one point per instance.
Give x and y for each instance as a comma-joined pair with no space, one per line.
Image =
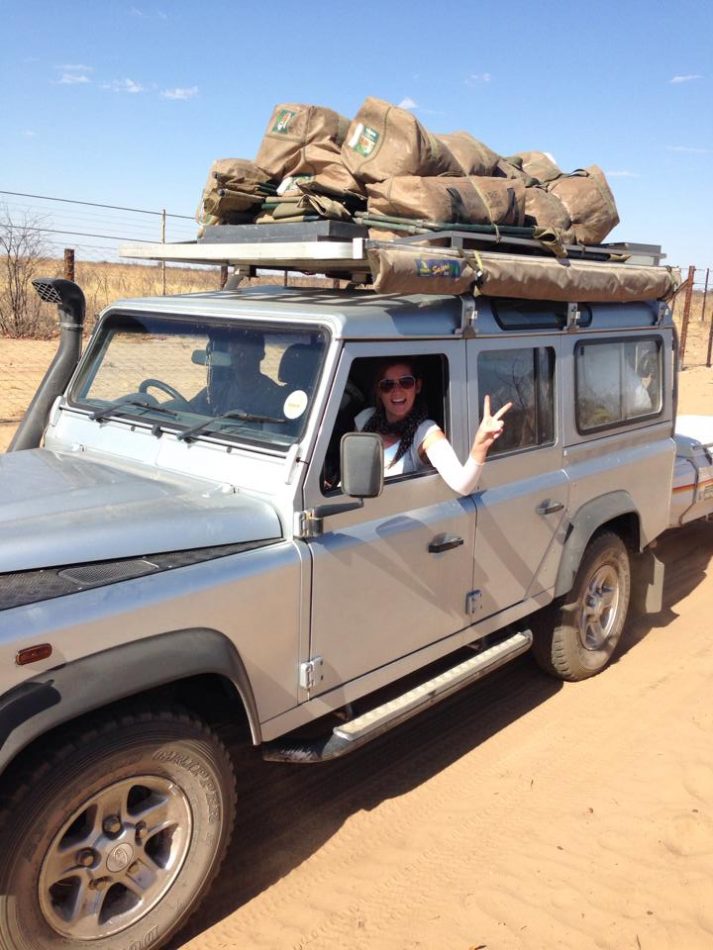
104,282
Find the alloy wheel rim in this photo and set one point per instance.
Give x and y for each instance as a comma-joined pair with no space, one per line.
600,608
115,858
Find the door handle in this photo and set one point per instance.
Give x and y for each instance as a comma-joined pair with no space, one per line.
444,542
549,507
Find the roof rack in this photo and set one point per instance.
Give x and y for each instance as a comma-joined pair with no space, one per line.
339,248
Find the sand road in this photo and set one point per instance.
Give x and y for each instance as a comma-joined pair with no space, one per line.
525,813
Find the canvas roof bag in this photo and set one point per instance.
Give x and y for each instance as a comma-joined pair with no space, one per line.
589,203
474,157
301,140
423,270
446,200
544,209
503,197
512,169
385,141
432,270
336,181
233,185
538,165
563,279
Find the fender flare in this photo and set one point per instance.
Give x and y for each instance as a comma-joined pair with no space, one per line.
591,516
57,696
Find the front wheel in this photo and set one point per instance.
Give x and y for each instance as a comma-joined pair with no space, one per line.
576,638
111,839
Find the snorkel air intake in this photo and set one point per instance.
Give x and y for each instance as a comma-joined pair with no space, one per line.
71,307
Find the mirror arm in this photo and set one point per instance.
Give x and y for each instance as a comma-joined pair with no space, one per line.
308,524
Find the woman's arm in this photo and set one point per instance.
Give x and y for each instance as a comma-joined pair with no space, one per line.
441,454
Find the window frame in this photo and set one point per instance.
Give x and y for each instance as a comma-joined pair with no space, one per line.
622,341
538,352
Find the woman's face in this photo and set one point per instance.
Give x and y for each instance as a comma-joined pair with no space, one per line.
398,400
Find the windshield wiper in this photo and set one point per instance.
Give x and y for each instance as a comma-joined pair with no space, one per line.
126,406
214,424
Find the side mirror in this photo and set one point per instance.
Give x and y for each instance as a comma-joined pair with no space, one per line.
362,464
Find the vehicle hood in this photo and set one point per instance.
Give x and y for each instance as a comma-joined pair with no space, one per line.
58,509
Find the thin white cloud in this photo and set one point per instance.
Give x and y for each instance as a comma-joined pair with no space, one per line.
622,174
477,79
77,68
180,94
29,133
408,103
125,85
72,79
689,150
143,15
689,78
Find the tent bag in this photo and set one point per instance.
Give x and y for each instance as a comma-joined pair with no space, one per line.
385,141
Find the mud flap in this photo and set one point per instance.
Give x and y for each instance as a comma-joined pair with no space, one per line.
647,580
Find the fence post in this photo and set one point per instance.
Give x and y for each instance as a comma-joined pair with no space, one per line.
69,263
223,275
686,314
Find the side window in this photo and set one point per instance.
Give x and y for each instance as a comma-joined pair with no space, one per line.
524,377
362,395
617,382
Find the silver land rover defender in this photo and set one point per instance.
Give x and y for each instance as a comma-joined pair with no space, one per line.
184,542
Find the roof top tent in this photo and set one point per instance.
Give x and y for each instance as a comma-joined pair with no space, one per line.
469,260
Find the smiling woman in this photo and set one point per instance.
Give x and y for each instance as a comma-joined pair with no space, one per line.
413,441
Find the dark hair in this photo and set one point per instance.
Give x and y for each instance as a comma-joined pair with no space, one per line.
406,428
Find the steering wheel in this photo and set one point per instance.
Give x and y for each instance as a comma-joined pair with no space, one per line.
164,387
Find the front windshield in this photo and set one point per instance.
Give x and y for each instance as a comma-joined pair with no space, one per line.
228,380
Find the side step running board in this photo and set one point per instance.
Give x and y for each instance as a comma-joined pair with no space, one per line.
351,735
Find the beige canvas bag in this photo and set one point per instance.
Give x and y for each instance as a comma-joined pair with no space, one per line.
233,185
503,197
336,181
537,165
428,270
544,209
474,157
424,270
385,141
301,140
446,200
589,203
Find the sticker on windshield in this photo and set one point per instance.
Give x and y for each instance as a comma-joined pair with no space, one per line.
295,404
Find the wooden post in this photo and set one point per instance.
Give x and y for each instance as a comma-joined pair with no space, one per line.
69,263
223,275
686,315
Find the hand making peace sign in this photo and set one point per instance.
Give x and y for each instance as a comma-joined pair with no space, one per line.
489,429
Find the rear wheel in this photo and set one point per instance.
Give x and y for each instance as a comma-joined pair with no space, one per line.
576,638
112,839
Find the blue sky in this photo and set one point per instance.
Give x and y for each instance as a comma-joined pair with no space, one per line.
129,104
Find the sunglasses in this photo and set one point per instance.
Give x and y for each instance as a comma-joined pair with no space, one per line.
404,382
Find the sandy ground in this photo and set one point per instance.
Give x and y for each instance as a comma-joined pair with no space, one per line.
525,813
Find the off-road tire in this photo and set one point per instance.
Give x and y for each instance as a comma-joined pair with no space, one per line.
59,835
576,637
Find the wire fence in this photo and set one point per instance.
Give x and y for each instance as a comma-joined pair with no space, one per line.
692,310
93,229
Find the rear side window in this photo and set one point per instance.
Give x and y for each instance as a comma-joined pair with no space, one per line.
617,382
524,377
